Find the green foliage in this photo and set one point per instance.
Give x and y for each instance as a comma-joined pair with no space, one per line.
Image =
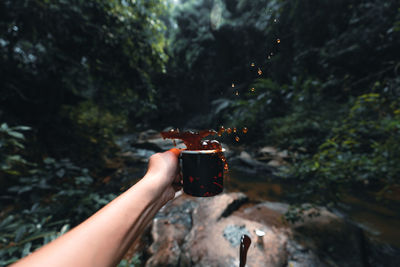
50,200
298,212
362,152
268,101
93,129
135,261
11,143
76,72
213,46
61,53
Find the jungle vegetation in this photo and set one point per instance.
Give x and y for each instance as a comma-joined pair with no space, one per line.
318,78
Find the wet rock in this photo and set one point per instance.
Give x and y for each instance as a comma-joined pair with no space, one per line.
169,229
272,152
332,238
300,256
233,234
215,208
275,163
272,156
206,232
268,150
158,144
327,237
148,134
137,155
381,255
247,163
152,140
206,245
264,214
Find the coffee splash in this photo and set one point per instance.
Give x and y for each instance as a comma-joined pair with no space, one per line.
245,242
194,141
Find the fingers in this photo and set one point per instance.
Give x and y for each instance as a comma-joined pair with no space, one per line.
175,151
177,184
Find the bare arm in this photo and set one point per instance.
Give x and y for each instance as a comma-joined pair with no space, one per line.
104,238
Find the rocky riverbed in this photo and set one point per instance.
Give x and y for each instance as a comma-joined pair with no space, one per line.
192,231
206,232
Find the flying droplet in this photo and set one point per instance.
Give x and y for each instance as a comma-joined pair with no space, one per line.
278,41
237,138
252,64
244,130
259,71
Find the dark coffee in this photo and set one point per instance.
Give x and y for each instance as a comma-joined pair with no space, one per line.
203,173
245,242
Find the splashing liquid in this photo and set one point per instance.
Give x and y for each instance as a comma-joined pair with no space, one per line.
245,242
193,141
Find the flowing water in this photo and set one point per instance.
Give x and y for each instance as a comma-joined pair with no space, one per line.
378,220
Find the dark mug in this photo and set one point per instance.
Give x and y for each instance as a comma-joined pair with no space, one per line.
203,172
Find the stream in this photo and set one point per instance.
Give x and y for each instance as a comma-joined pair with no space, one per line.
379,221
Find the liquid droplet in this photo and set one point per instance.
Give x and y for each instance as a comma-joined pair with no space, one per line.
244,130
237,138
221,130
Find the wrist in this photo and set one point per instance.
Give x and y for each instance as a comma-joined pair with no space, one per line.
154,188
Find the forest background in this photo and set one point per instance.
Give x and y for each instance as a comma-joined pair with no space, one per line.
317,78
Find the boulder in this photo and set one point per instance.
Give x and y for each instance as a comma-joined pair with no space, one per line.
207,231
169,229
332,238
327,237
247,163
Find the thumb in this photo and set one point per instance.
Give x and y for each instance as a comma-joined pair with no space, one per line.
175,151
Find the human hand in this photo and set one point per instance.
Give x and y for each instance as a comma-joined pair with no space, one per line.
164,173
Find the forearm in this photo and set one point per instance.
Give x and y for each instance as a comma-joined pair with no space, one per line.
103,239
